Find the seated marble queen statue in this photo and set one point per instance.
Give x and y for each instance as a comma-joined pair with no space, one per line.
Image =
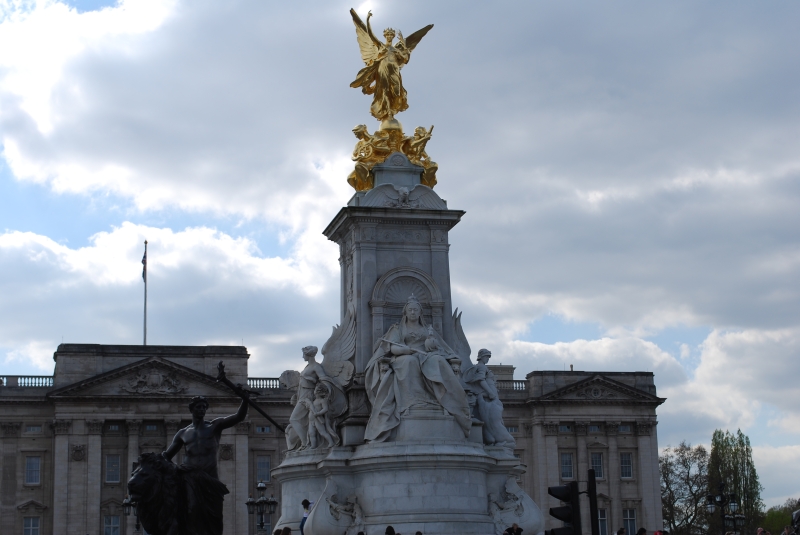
410,368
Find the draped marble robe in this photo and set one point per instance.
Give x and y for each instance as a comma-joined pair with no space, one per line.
423,379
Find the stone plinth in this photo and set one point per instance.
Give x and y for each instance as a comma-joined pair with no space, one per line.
434,487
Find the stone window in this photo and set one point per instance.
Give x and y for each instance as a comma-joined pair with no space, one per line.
113,427
30,525
111,525
512,428
597,465
564,428
594,428
151,428
263,429
625,428
112,469
262,467
566,466
602,521
626,466
33,470
33,429
629,520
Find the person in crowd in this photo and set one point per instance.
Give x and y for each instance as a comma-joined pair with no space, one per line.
389,531
787,530
641,531
621,531
278,532
306,508
418,533
286,531
513,530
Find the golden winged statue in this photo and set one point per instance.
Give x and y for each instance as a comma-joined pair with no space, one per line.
384,60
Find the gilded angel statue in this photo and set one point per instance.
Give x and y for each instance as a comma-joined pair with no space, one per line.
381,76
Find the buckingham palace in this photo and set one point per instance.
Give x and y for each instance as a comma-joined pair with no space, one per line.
69,440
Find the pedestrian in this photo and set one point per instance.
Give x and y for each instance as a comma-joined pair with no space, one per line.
306,508
418,533
621,531
278,532
787,530
389,531
641,531
286,531
513,530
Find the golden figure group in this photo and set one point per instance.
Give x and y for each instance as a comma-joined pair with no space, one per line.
381,78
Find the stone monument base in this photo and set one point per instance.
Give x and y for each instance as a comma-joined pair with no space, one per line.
437,487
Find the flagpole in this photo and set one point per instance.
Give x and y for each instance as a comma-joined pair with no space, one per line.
144,272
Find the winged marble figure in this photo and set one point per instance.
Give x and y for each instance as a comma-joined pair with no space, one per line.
337,354
384,60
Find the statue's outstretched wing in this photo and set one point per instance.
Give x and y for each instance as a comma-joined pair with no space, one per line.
369,45
340,348
461,346
411,42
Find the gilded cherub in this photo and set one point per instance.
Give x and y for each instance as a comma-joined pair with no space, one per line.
414,149
381,76
369,150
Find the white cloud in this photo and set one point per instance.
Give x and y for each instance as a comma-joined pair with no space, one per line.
632,167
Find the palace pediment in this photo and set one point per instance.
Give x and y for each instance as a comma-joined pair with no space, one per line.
153,377
600,389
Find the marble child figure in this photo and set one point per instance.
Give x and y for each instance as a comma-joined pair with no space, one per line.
420,375
490,409
319,418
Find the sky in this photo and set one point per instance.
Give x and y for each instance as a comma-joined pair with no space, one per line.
630,173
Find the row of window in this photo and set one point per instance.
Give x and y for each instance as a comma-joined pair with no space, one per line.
31,525
625,465
594,428
628,520
147,427
33,468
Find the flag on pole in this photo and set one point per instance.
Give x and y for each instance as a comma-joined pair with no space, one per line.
144,265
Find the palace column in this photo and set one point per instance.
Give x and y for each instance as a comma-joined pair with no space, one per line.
583,465
61,475
133,454
94,467
241,480
8,448
649,477
613,477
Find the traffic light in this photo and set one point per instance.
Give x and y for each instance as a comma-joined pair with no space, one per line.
570,513
591,490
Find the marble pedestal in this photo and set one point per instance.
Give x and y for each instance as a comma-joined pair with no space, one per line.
436,487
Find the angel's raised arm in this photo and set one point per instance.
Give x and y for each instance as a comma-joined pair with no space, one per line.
367,42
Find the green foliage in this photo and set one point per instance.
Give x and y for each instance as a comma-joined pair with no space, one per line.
779,516
731,463
684,484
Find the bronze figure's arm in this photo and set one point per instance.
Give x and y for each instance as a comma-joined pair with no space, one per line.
175,447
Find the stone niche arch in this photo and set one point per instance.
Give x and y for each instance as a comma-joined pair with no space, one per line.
391,293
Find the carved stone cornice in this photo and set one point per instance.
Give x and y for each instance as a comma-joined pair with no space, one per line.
134,426
94,427
11,429
77,452
612,428
644,428
226,452
581,428
61,427
172,426
550,428
243,427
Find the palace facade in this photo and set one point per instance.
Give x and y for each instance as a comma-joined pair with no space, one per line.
68,441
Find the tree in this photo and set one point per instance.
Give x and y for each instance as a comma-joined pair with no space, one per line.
684,484
731,463
779,516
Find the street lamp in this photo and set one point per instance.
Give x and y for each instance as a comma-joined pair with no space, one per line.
127,505
728,506
261,505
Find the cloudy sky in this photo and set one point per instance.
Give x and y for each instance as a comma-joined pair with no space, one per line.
630,172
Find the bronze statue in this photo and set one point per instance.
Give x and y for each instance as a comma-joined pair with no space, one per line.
186,499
